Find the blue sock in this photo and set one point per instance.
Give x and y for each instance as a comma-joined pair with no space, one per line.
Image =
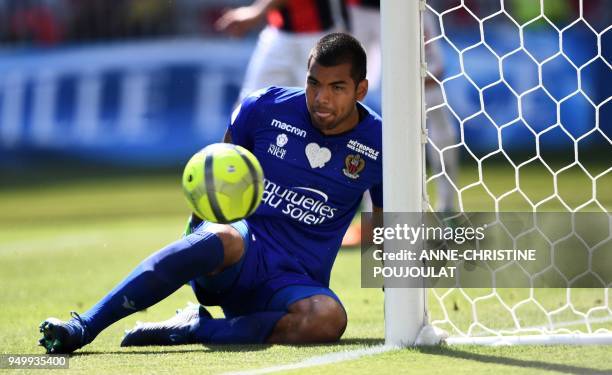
249,329
155,278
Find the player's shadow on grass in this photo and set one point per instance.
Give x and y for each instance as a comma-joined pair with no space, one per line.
144,351
492,359
256,347
174,350
366,341
230,348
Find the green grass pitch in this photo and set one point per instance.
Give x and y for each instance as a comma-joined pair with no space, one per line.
64,244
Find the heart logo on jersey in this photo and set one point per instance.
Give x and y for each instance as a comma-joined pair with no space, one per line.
317,156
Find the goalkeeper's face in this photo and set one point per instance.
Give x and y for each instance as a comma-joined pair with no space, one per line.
331,97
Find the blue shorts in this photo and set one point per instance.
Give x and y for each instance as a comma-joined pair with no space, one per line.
249,286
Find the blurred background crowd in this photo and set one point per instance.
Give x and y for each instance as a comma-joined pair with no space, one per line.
53,22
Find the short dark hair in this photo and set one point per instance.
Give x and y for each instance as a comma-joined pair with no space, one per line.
340,48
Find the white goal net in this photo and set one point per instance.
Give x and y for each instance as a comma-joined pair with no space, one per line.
518,120
522,150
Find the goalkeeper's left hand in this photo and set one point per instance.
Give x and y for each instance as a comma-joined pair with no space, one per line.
192,222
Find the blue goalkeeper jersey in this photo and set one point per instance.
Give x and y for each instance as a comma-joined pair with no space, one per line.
313,182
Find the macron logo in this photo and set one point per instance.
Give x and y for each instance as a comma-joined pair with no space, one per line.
288,128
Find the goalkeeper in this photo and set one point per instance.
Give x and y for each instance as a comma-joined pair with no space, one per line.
270,272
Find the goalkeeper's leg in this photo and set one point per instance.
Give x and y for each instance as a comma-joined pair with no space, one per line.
317,316
203,252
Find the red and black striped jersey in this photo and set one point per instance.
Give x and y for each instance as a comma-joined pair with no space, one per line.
365,3
307,16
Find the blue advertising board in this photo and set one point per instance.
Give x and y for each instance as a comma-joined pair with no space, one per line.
156,103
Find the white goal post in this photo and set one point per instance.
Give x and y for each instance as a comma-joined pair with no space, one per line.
403,159
404,137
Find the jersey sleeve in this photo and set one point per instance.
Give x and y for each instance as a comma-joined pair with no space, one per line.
376,192
242,124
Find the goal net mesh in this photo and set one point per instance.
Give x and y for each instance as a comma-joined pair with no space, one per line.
519,120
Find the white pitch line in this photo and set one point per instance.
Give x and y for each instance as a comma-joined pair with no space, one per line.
320,360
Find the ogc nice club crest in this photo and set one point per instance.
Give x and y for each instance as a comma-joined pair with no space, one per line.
353,165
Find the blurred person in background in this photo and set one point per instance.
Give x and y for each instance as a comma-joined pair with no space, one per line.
293,27
365,19
364,16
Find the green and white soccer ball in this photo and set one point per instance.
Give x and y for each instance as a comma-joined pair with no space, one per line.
223,183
